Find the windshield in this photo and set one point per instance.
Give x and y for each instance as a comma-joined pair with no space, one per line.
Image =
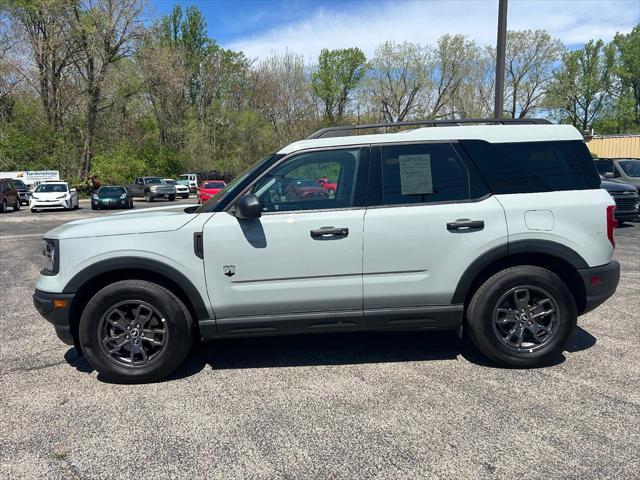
111,190
631,168
153,180
170,181
19,183
239,181
184,177
213,185
51,187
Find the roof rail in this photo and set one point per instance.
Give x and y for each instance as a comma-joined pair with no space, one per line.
426,123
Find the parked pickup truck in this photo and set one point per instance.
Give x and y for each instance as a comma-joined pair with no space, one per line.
151,188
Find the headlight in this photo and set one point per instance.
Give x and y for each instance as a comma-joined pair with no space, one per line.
61,196
94,196
50,251
34,197
123,196
153,188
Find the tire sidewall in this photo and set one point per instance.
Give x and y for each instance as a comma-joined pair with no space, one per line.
177,323
481,316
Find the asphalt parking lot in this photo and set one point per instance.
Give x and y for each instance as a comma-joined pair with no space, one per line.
406,405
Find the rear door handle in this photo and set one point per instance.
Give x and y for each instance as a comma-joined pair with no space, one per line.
329,232
465,225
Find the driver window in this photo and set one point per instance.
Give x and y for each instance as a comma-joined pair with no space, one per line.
310,181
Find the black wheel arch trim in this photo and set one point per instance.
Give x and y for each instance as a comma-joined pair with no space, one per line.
546,247
143,265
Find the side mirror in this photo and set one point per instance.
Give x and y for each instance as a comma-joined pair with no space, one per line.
248,206
609,175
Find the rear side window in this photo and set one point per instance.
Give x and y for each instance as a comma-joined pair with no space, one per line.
425,173
528,167
604,166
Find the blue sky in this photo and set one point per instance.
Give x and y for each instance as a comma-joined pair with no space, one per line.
259,27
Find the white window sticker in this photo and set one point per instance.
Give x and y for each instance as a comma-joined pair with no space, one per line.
415,174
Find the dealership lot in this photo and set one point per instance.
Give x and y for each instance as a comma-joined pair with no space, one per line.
407,405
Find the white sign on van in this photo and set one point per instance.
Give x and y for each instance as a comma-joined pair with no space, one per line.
415,174
32,176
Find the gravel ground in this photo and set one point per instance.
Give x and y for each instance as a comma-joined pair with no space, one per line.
407,405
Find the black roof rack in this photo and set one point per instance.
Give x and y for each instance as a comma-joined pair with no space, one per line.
426,123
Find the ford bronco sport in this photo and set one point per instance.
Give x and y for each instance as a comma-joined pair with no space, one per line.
496,228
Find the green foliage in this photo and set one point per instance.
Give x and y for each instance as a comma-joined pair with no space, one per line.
628,68
119,166
583,83
337,75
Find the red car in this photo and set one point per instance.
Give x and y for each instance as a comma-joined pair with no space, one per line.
209,188
303,189
328,185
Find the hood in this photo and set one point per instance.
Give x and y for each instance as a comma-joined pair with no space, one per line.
148,220
49,195
616,186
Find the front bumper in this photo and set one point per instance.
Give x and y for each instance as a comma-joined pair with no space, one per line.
62,203
24,196
111,203
57,314
600,283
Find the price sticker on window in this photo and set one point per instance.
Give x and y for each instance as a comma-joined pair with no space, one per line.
415,174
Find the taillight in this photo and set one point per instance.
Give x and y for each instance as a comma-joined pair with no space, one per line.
611,224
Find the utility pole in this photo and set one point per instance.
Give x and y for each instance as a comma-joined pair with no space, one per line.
500,49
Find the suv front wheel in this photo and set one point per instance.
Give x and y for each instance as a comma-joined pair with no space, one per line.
135,331
522,317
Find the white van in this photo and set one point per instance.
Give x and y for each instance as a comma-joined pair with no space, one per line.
191,179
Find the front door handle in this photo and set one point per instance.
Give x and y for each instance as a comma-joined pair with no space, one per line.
329,232
465,225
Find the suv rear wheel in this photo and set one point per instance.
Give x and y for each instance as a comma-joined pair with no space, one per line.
522,317
135,331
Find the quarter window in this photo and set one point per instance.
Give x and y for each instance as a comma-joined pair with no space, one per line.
423,173
311,181
528,167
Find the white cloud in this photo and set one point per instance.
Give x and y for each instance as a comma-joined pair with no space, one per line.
371,23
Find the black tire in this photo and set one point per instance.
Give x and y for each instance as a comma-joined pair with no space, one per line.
148,197
3,206
94,207
171,316
16,206
185,195
130,206
487,328
34,210
172,198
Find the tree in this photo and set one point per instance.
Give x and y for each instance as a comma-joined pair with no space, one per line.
530,59
105,30
395,78
337,75
46,27
628,67
451,63
582,84
283,96
187,33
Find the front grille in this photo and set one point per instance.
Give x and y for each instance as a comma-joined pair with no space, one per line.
626,203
